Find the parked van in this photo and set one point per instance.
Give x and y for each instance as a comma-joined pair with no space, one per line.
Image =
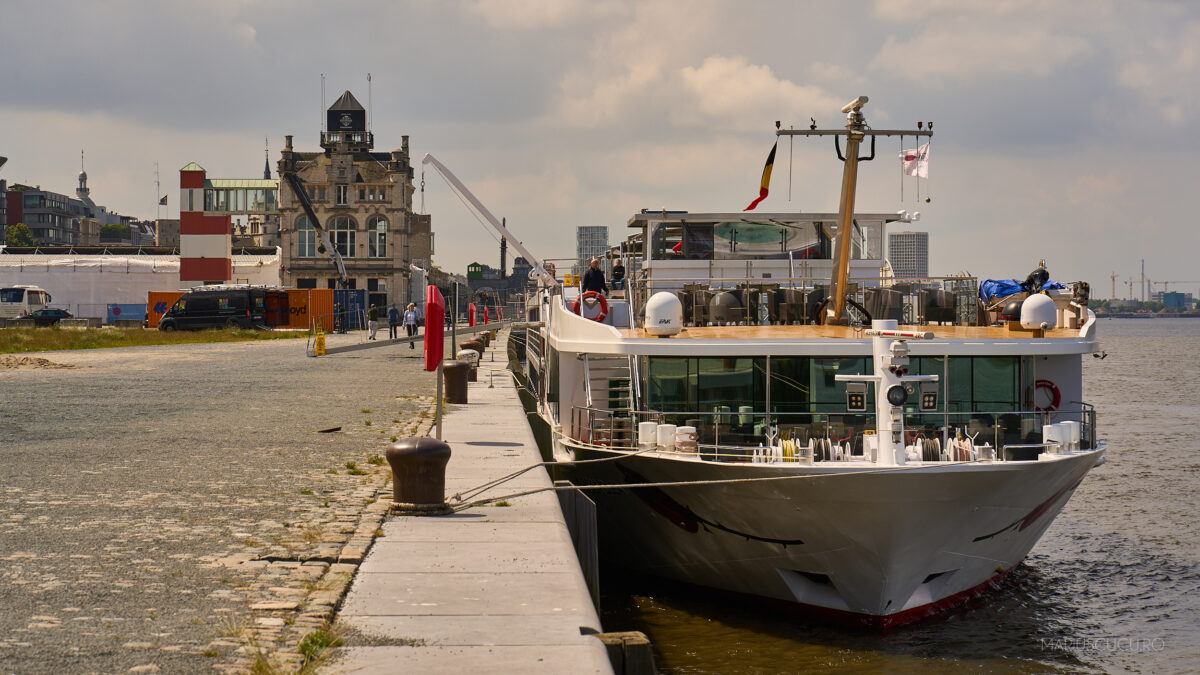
21,300
227,306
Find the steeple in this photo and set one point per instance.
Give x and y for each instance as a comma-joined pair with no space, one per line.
82,191
267,157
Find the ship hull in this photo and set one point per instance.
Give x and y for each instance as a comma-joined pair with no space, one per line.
859,545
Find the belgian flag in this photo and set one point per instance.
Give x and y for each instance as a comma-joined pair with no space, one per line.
766,178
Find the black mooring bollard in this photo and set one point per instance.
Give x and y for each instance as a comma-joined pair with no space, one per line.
419,475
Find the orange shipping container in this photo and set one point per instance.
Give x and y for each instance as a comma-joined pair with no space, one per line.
306,303
157,304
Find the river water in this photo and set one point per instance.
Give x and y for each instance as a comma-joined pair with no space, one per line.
1113,585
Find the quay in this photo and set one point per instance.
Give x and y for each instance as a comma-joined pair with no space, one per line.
491,588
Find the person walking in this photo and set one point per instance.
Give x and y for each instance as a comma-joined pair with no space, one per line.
372,321
393,322
593,278
410,323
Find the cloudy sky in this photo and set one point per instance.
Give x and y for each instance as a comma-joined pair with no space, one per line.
1064,130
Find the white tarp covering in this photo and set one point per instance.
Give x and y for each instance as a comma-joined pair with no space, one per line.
86,284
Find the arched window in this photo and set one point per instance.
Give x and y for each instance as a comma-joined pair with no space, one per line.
306,238
377,237
341,231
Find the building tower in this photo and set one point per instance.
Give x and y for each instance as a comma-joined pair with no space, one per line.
204,240
908,253
591,241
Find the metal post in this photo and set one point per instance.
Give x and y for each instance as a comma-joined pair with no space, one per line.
454,324
438,408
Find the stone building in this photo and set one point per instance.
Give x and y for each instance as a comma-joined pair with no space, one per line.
364,200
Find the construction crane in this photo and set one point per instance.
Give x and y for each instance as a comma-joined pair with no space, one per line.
1114,282
1167,283
326,245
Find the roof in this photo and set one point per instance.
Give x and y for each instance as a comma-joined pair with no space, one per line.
192,166
346,102
252,183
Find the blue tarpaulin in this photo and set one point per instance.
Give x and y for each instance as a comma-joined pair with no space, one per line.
999,288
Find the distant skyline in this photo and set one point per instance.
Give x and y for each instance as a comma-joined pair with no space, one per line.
1063,131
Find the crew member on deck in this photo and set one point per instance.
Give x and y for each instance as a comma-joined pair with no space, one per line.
618,275
593,278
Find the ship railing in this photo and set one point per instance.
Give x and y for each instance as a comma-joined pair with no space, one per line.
730,433
794,300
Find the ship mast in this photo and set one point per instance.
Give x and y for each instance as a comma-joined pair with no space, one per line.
856,130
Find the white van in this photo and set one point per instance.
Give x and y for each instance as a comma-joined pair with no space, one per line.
21,300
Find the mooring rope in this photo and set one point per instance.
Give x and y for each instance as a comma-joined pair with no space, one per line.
460,506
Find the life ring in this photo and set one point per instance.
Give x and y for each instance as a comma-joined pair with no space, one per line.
589,295
1055,395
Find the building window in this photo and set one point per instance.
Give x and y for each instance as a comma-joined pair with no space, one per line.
306,283
377,237
383,194
372,285
341,231
343,194
362,194
306,238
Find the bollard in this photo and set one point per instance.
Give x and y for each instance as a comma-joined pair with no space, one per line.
473,344
454,376
419,475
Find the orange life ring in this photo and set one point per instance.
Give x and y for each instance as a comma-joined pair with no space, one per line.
599,298
1055,395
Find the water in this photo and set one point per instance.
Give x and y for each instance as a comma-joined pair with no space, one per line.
1113,585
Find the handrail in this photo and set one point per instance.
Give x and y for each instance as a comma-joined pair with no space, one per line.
741,445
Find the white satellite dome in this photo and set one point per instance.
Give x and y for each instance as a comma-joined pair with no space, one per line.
1038,311
664,314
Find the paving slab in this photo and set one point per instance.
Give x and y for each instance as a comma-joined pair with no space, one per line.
490,588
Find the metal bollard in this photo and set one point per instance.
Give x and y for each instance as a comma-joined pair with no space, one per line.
419,475
455,374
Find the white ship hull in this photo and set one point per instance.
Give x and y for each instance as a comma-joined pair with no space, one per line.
858,544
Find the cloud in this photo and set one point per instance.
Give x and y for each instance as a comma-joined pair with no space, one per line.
531,15
956,51
733,93
1166,73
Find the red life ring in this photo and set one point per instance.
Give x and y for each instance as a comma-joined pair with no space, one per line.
587,295
1055,395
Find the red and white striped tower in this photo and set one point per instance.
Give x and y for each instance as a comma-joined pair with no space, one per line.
204,241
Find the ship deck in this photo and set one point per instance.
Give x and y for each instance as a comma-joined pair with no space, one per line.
848,332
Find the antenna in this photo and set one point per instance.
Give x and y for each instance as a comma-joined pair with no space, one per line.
370,105
323,102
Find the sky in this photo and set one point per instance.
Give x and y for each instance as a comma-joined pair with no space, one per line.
1063,130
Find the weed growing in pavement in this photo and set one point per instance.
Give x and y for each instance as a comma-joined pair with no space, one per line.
312,534
394,438
377,460
211,653
366,411
367,422
305,492
332,471
326,504
503,502
351,465
314,646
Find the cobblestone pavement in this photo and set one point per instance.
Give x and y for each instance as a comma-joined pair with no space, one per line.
174,509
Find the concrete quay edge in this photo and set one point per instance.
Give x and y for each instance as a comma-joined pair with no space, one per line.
495,588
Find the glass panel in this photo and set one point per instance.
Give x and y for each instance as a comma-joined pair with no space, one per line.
829,395
671,384
996,383
789,384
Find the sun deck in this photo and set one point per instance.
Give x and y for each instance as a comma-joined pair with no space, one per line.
811,332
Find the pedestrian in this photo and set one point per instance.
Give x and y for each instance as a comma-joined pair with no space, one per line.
593,278
410,323
393,322
372,321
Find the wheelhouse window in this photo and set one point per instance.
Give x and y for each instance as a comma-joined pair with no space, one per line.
306,238
377,237
341,231
762,240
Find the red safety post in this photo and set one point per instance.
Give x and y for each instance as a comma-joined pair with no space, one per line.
471,314
435,325
485,315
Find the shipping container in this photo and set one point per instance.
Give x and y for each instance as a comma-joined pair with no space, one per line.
125,311
157,304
